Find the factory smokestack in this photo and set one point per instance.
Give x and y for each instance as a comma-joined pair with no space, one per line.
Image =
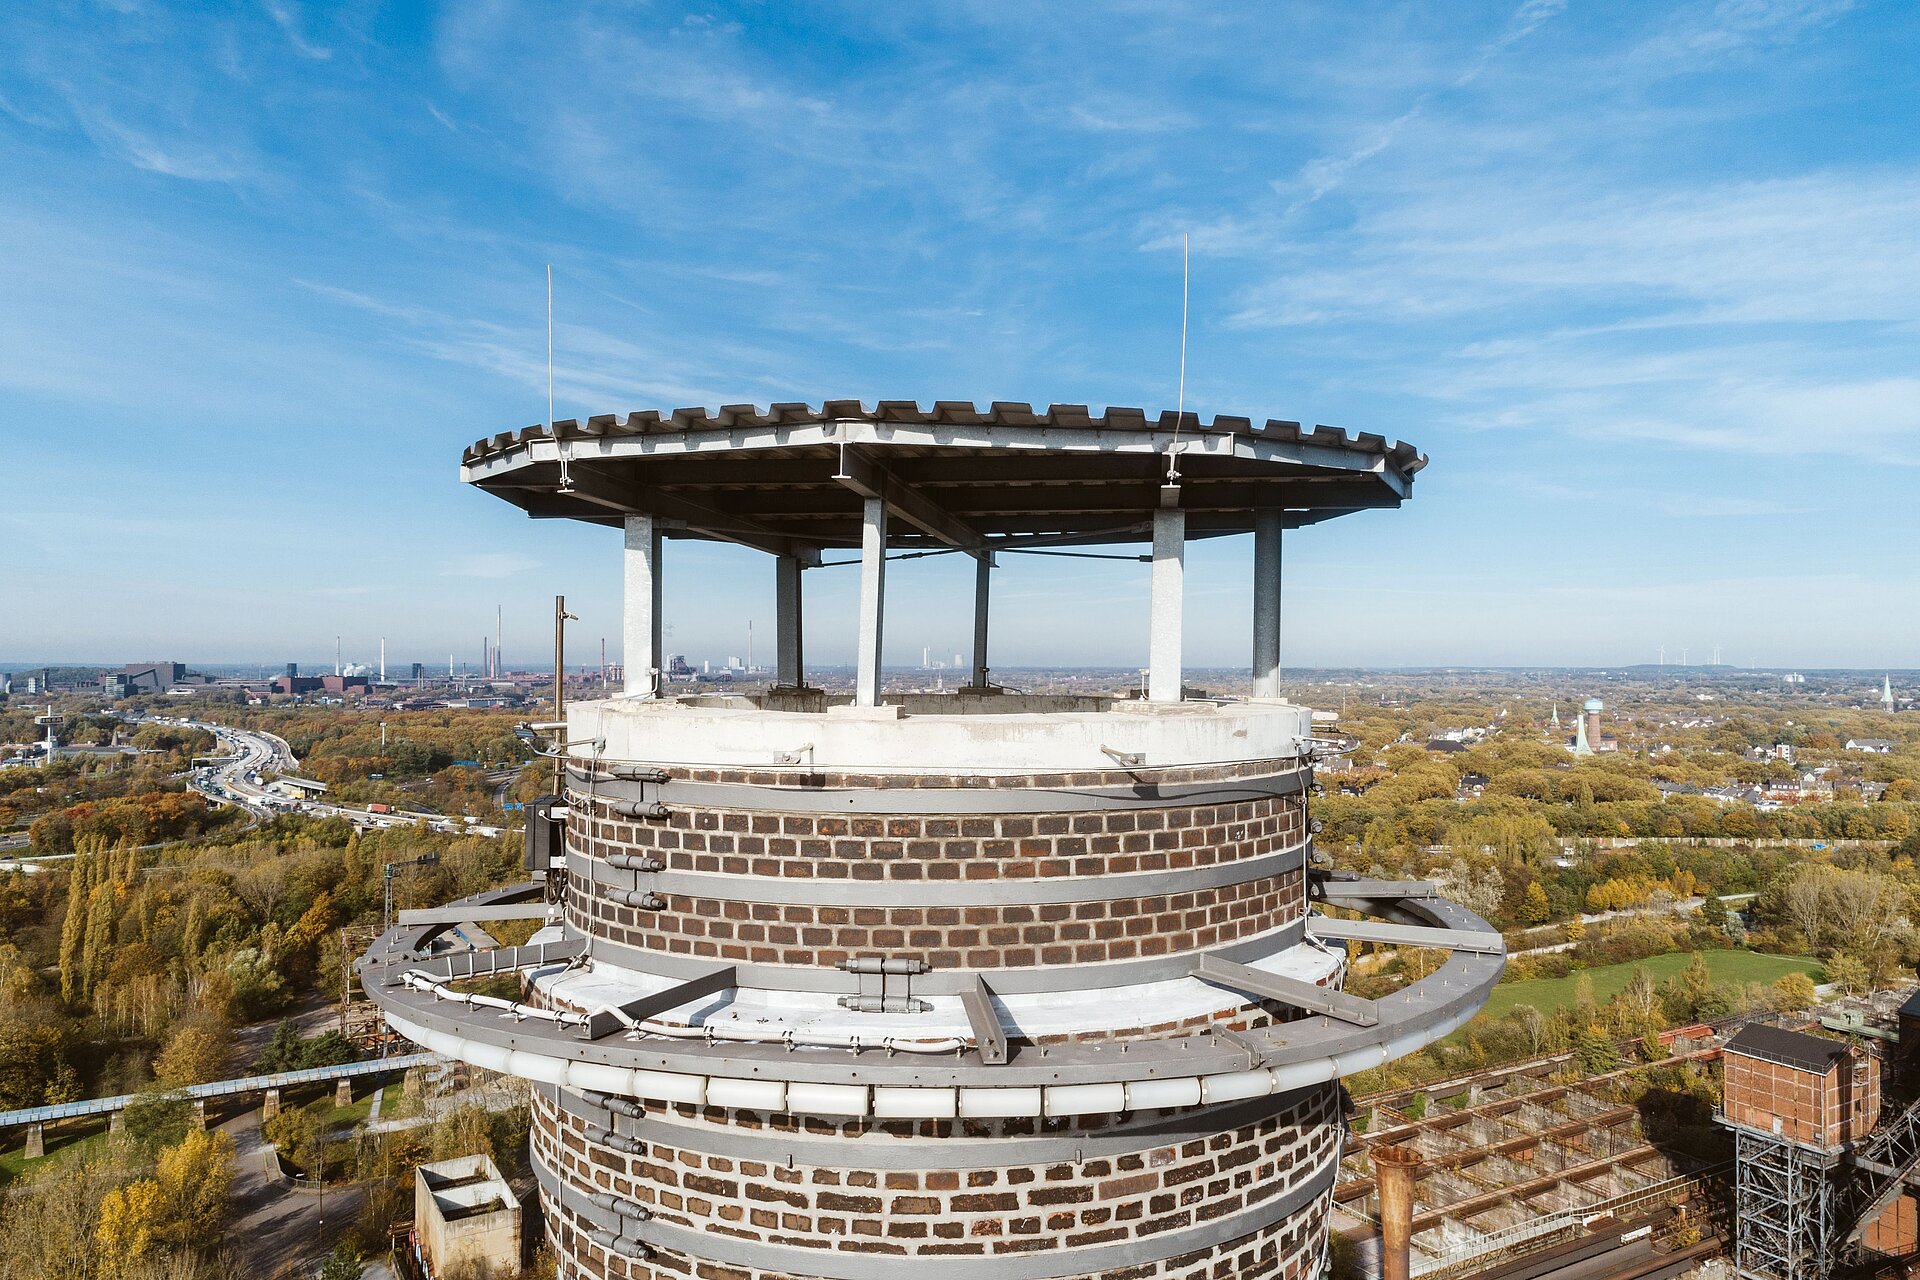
383,659
1393,1173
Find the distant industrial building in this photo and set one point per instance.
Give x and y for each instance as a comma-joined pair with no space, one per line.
144,677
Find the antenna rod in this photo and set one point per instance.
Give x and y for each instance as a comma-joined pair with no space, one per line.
566,472
549,348
1180,405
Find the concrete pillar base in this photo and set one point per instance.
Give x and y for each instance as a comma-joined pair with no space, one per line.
343,1093
36,1141
117,1122
270,1105
199,1113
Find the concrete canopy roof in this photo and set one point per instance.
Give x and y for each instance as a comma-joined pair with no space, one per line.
792,479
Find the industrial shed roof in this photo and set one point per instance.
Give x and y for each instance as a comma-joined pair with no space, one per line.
1793,1049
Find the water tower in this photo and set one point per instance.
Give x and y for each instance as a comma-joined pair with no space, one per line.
989,985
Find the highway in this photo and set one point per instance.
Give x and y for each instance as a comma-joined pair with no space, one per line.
242,774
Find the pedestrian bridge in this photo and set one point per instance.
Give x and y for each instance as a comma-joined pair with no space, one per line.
216,1089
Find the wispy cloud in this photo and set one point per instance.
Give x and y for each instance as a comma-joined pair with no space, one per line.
1696,34
1323,174
290,21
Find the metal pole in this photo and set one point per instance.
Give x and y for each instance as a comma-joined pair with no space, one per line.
1266,602
982,587
789,639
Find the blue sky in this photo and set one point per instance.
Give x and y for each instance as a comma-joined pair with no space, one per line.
1643,280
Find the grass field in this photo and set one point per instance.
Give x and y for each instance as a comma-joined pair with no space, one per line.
1729,969
73,1140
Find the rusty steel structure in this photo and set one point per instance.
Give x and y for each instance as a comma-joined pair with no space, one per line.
994,985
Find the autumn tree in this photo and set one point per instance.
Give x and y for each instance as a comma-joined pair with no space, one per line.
1794,993
196,1053
1849,973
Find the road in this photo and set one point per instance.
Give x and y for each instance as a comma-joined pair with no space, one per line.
241,776
270,1224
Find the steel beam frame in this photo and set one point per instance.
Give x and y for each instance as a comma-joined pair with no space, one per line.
1783,1207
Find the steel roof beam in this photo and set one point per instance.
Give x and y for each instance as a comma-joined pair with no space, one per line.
868,478
601,489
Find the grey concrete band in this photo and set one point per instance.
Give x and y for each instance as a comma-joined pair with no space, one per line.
1037,980
814,891
919,801
831,1264
948,1153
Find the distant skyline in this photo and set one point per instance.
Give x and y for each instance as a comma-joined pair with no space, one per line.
1642,280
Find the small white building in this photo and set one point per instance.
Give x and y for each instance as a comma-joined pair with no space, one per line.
466,1218
1877,746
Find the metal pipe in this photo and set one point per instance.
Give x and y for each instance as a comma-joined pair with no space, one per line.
884,964
1393,1175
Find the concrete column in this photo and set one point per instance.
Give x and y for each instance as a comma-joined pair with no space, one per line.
343,1093
117,1122
199,1113
789,640
873,602
270,1105
641,647
982,593
1266,602
36,1141
1169,590
1393,1172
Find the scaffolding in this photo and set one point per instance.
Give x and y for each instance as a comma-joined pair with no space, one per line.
1784,1199
360,1020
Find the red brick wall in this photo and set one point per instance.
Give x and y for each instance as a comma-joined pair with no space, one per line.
966,1213
1896,1232
932,850
1824,1110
